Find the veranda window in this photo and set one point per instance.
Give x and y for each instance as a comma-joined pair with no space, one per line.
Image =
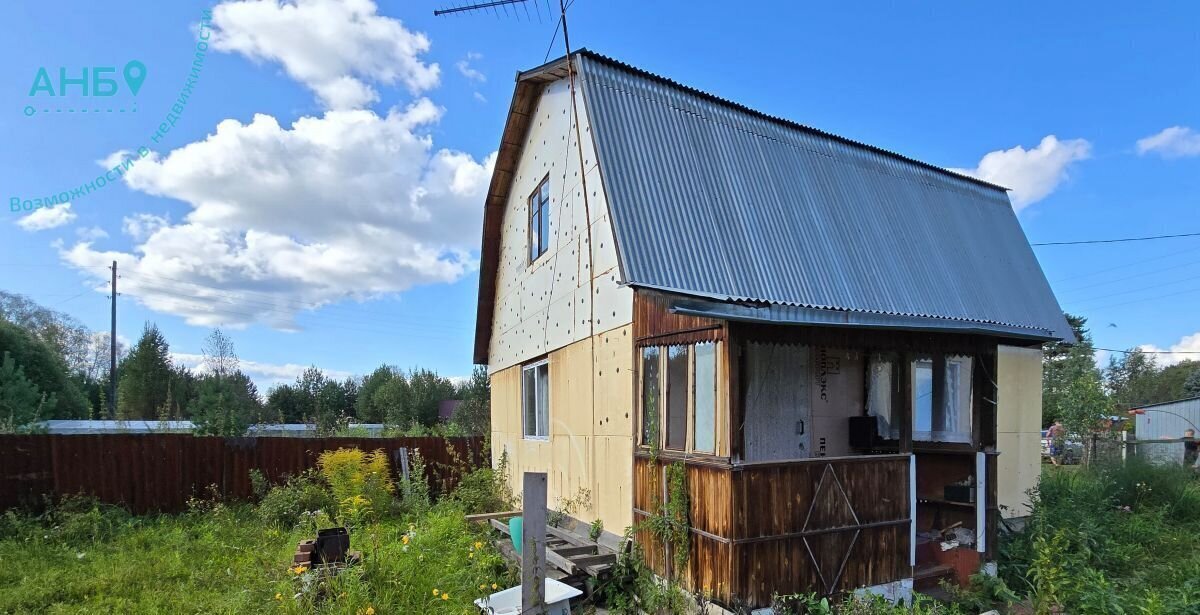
678,397
651,394
881,391
705,395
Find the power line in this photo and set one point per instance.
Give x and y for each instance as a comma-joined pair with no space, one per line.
1149,351
1121,240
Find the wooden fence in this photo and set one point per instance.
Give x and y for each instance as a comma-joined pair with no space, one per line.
159,472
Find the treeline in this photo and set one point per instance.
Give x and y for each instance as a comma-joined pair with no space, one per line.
51,367
1078,392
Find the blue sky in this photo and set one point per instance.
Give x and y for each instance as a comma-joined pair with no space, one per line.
320,194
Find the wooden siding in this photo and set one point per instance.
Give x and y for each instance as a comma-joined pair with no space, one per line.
827,525
655,325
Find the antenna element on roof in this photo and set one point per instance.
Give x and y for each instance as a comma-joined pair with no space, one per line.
478,7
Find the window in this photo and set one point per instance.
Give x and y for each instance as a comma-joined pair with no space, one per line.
679,393
949,420
539,220
705,396
535,399
650,394
880,390
677,397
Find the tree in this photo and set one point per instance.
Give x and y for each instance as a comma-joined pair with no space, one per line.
308,385
66,336
226,405
426,392
21,403
1071,383
219,356
1191,388
366,409
1132,379
144,377
474,414
43,367
284,404
331,406
391,401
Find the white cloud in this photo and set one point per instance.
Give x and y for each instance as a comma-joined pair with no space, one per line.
480,97
471,73
141,226
91,233
335,47
351,205
47,218
263,374
1034,173
1189,344
1173,142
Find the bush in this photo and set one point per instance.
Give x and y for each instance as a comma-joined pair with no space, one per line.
355,476
285,505
485,490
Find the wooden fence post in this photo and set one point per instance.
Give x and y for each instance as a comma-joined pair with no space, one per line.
533,544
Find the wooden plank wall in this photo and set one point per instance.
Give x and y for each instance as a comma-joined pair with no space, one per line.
159,472
826,525
655,325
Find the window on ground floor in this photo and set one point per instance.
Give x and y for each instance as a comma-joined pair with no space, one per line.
535,399
679,397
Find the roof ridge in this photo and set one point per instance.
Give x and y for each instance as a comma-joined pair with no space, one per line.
585,52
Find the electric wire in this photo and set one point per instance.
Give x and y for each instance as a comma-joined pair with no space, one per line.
1121,240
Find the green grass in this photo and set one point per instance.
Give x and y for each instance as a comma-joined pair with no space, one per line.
227,561
83,557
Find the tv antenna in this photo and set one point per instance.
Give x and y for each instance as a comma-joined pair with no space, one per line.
496,6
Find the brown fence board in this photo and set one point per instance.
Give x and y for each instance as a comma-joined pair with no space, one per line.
159,472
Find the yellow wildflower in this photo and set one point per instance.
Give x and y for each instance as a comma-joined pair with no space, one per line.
278,596
478,545
404,539
494,586
445,596
370,610
472,554
482,586
435,591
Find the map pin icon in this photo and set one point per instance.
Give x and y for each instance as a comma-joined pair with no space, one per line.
135,74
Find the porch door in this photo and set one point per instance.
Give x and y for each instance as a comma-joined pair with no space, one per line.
777,406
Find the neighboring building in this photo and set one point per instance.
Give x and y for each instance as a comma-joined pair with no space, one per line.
832,338
82,426
1165,421
447,408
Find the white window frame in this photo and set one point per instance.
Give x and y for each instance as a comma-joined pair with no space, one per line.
544,414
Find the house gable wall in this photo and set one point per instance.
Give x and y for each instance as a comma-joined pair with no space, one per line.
543,310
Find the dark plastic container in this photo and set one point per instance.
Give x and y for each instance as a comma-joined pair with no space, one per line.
332,544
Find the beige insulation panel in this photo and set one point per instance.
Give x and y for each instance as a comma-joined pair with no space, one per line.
1018,426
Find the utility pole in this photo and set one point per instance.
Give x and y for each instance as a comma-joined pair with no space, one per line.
112,365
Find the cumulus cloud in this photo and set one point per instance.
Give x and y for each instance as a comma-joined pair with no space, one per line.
335,47
351,205
1031,174
1173,142
263,374
47,218
468,71
91,233
1189,344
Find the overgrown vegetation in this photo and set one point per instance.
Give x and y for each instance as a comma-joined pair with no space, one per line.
1110,539
79,556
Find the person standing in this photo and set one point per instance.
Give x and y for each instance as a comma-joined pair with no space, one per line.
1057,435
1191,447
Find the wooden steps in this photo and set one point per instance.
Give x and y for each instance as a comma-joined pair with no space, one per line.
569,554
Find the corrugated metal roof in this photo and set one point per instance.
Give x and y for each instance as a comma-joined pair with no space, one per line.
714,199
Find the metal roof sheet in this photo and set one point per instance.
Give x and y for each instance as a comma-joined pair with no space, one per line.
714,199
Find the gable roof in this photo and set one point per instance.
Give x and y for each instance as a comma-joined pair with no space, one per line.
771,212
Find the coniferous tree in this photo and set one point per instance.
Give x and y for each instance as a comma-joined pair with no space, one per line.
144,376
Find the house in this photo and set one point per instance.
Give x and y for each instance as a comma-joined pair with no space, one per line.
840,346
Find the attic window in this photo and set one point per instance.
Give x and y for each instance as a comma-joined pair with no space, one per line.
539,220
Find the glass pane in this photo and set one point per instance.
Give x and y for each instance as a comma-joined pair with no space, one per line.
544,227
706,397
677,397
545,192
879,396
922,403
955,419
650,394
533,236
543,401
529,401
